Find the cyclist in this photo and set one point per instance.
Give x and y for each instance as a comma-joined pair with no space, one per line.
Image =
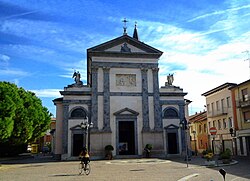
84,156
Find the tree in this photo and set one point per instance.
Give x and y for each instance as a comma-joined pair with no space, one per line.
8,100
23,118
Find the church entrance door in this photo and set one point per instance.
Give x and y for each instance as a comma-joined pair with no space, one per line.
172,143
77,144
126,138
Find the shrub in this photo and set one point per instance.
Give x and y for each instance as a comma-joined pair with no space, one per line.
204,152
109,148
226,154
149,147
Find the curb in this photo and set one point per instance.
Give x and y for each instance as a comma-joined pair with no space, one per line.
234,162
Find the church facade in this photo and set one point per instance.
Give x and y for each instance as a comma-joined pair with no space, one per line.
122,104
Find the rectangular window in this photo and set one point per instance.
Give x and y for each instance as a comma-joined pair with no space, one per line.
228,102
214,124
205,128
209,126
217,106
212,107
222,105
244,94
199,128
224,124
230,124
246,116
219,124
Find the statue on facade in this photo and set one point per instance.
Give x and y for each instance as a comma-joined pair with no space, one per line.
170,79
77,77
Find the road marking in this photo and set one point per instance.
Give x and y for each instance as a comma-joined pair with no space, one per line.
138,161
240,177
188,177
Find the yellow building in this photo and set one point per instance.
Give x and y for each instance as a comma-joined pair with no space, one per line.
198,132
241,99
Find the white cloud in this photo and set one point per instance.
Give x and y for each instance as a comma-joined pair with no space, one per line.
200,61
47,92
226,11
13,72
4,60
18,15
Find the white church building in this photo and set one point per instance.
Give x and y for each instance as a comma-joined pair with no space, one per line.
122,104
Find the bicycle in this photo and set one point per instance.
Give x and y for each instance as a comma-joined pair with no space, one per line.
84,168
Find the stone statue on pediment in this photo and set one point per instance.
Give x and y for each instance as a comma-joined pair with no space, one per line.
170,79
77,77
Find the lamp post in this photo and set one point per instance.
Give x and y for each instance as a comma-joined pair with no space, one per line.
85,125
185,127
195,149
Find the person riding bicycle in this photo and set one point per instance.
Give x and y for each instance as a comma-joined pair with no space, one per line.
84,156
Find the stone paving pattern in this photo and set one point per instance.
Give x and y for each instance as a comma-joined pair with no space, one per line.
44,168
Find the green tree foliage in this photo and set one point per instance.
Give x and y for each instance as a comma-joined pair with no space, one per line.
22,118
9,98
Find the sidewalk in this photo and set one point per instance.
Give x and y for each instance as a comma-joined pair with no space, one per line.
27,158
199,161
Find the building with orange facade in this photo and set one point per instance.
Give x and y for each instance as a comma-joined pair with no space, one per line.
198,132
241,105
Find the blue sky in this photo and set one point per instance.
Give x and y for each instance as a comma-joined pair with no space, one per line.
43,41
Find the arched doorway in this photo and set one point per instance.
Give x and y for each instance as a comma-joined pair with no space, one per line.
79,136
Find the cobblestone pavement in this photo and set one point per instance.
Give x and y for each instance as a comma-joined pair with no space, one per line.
121,169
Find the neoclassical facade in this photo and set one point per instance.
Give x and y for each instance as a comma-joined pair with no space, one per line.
123,102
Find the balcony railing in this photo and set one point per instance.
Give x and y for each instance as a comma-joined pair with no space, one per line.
216,113
243,102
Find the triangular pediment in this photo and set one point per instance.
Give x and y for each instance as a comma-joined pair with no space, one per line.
171,126
124,45
126,111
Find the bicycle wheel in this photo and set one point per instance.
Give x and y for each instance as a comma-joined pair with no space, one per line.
87,169
81,167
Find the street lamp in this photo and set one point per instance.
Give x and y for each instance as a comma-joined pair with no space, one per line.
185,126
195,149
85,125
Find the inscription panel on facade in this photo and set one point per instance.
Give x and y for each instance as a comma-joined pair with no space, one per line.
128,80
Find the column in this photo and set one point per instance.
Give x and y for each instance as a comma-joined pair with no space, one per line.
94,99
65,129
157,110
145,108
106,100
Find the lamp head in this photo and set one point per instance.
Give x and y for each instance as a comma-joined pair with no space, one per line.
83,125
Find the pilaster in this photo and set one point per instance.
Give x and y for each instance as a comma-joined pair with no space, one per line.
106,99
94,98
145,108
65,129
156,94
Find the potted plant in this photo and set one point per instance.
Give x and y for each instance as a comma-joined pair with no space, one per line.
204,152
108,152
147,150
226,156
209,159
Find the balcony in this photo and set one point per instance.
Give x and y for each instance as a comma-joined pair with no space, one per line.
242,103
217,113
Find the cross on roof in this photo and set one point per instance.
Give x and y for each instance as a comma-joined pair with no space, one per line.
125,26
